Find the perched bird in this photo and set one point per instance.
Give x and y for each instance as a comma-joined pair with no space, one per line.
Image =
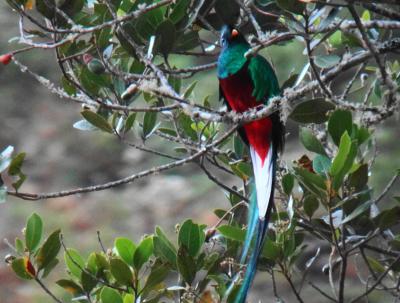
246,83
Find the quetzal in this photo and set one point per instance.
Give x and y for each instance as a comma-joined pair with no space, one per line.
246,83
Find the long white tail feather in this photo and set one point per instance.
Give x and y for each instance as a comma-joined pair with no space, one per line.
263,175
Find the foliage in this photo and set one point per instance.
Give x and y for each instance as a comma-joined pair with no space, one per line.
120,60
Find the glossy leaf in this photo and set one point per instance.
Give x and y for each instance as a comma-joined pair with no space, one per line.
339,122
143,252
33,232
288,183
125,249
110,295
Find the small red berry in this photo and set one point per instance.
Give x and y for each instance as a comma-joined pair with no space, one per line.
6,58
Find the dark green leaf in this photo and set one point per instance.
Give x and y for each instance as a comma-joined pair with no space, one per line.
143,252
187,41
359,178
129,122
191,236
166,35
339,122
88,280
186,265
288,183
312,182
179,10
271,250
310,205
311,142
312,111
70,286
157,275
228,11
121,272
33,232
48,269
358,211
149,124
97,120
49,251
163,248
293,6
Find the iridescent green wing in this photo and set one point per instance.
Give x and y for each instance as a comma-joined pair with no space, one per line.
264,79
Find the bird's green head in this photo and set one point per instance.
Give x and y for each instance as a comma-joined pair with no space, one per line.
233,48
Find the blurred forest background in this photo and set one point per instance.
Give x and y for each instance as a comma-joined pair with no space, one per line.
60,157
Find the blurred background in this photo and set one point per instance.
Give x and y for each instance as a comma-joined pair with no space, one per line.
61,157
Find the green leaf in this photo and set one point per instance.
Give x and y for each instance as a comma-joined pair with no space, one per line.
339,122
143,252
187,41
189,90
191,236
74,262
312,182
311,142
70,286
288,183
375,265
179,10
232,232
312,111
33,232
163,248
359,178
344,160
166,35
310,205
110,295
321,164
121,272
186,265
19,246
19,267
157,275
358,211
149,124
271,250
15,170
88,280
48,269
327,61
129,122
341,157
125,249
49,251
97,120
